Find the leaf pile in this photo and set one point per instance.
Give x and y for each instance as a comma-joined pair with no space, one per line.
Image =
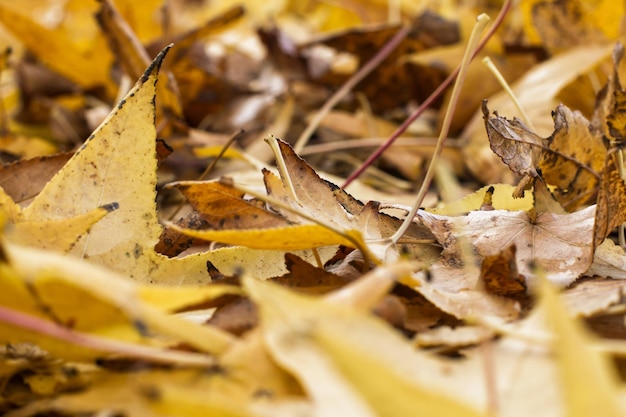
172,265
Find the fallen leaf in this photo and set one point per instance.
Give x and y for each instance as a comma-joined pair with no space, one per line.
611,206
24,179
577,158
514,142
327,337
499,274
588,381
536,91
560,243
58,51
223,207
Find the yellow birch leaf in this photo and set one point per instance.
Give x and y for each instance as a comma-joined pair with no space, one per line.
347,358
59,235
302,236
89,68
168,298
90,298
589,383
118,163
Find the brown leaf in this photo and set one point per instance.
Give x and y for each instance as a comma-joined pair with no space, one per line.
564,24
223,207
513,142
577,156
500,276
394,82
24,179
133,56
173,243
307,278
611,206
559,243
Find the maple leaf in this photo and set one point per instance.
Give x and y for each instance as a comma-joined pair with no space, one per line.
560,243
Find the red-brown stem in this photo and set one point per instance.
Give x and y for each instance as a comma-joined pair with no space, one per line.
434,95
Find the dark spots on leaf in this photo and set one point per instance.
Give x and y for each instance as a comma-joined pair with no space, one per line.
137,251
111,206
151,393
428,277
121,103
141,327
262,393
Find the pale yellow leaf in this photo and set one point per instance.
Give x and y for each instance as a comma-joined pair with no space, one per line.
302,236
560,243
349,360
588,379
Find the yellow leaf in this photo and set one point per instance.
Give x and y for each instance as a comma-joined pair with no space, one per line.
89,68
168,298
53,234
588,379
501,200
118,163
349,361
87,297
302,236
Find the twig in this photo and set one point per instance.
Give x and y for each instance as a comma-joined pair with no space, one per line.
438,91
349,85
481,22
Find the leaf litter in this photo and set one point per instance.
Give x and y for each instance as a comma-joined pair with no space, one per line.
136,282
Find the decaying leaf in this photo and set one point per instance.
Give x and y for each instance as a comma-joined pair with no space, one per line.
577,158
326,336
499,274
514,142
611,206
570,159
560,243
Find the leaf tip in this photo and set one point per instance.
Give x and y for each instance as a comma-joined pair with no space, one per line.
153,68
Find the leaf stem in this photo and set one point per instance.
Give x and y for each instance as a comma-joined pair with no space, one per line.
438,91
98,343
505,85
481,22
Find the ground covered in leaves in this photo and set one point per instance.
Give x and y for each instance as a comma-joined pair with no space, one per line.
197,219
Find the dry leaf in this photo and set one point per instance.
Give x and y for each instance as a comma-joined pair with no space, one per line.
513,141
343,348
588,381
611,207
499,274
576,179
560,243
